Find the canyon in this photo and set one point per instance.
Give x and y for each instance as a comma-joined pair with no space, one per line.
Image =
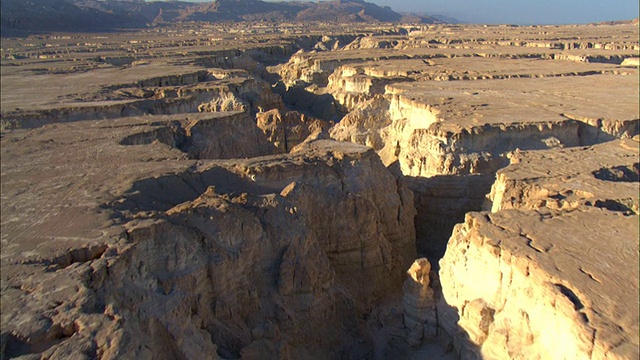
321,191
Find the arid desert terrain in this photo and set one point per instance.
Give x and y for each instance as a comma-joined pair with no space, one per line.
274,190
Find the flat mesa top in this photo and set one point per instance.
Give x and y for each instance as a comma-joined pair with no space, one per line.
603,175
475,103
477,67
32,88
537,165
54,178
409,51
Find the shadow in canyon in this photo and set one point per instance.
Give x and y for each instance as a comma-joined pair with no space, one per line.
442,202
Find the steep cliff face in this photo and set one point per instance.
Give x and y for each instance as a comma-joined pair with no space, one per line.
303,68
469,127
418,301
199,258
202,233
286,129
208,137
317,67
236,272
536,282
287,265
157,96
352,85
465,128
545,284
445,149
451,137
555,249
364,125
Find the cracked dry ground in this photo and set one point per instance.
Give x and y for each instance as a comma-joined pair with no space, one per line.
368,192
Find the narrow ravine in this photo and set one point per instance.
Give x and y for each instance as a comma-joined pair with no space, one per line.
393,193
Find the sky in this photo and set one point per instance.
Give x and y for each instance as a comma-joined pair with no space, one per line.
521,12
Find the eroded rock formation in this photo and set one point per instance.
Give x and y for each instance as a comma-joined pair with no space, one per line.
175,194
229,258
451,137
547,273
604,175
545,284
286,129
419,304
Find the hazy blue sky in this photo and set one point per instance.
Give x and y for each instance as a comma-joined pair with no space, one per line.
519,11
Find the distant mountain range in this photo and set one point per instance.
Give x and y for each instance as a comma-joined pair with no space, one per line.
102,15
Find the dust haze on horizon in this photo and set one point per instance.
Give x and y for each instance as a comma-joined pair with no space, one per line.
522,12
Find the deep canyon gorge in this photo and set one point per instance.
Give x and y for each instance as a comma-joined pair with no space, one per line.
321,191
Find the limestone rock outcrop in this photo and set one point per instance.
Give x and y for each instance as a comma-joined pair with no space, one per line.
447,136
157,96
468,127
352,85
631,62
365,125
604,175
420,318
451,137
545,284
551,271
286,129
187,258
208,136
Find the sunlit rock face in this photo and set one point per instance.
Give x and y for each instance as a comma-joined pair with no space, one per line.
545,284
419,304
286,129
547,272
604,175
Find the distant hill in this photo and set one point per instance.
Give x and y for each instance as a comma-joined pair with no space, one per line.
102,15
619,22
63,15
428,19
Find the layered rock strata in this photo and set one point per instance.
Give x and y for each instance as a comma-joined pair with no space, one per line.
287,129
548,273
208,136
507,276
157,97
419,304
604,175
469,127
364,125
189,258
205,234
544,284
451,137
